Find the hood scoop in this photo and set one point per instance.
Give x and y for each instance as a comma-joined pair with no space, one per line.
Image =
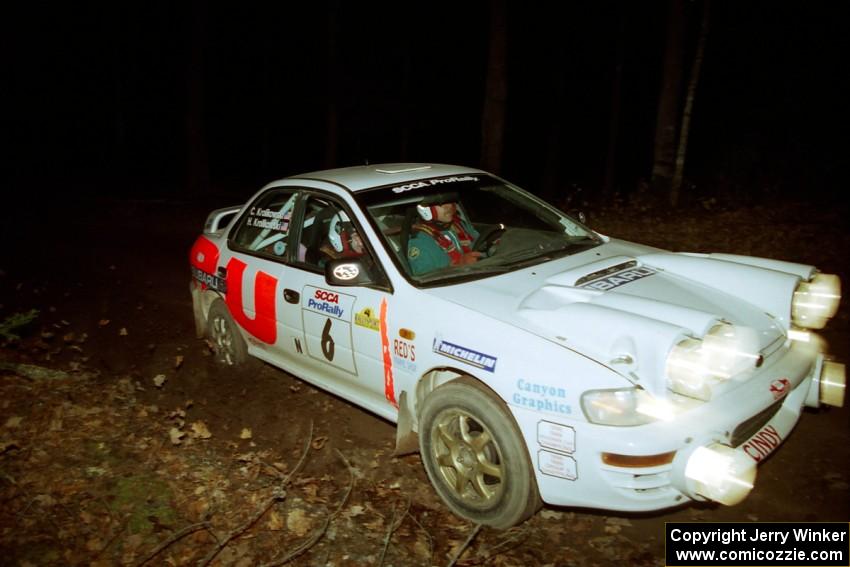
596,270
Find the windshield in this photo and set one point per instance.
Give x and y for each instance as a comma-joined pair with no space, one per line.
449,229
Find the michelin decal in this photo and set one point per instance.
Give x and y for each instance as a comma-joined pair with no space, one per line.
463,354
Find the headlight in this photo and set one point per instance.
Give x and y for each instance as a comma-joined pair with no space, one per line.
815,301
695,366
623,407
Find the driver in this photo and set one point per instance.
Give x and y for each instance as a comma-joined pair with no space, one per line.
442,237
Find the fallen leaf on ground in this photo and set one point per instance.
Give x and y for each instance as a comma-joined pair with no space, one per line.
176,435
246,433
159,380
123,332
13,422
103,322
178,361
297,522
200,430
319,442
275,522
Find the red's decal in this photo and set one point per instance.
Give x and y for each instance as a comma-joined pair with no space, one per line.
263,324
389,387
762,443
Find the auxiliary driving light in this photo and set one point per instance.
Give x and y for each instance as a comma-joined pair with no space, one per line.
816,301
695,366
833,381
721,473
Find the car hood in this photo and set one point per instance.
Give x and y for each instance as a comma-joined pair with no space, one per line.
626,305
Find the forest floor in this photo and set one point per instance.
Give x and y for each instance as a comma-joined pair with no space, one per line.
122,444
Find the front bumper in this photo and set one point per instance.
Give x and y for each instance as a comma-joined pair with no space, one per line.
753,419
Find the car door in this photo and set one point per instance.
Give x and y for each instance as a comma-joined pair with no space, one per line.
255,267
344,331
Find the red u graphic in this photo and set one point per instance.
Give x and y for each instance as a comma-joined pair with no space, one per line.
263,324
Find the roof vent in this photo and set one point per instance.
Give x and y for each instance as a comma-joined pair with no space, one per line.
404,169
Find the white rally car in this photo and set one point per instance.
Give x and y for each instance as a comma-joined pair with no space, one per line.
562,366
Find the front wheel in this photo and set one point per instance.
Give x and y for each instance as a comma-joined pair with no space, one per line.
475,456
228,344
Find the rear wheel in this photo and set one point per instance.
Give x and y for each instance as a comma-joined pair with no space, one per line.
475,456
228,344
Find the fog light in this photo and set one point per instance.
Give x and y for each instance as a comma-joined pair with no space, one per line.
721,473
833,381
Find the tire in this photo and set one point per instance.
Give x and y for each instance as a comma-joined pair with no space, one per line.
475,455
229,346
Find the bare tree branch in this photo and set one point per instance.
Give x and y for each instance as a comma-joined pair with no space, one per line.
176,537
394,525
279,494
463,547
428,535
317,535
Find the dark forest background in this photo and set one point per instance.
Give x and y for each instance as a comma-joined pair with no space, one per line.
186,99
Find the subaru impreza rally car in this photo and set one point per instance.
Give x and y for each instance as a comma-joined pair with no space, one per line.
562,366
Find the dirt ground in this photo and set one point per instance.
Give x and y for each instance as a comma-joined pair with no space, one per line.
121,443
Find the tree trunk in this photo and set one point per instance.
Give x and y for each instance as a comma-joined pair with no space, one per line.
495,95
689,105
667,122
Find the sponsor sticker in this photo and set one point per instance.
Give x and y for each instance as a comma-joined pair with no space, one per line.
779,388
328,302
541,397
463,354
366,318
621,278
432,182
404,354
556,436
555,464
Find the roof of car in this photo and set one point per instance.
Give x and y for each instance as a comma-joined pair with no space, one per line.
367,176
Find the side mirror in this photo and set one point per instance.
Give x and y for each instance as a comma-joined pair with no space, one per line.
349,272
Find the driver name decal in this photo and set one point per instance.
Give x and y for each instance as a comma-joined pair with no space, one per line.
616,280
762,443
471,357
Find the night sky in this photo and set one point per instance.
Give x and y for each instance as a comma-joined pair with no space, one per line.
121,98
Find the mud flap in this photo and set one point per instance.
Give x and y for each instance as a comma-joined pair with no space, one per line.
197,310
406,439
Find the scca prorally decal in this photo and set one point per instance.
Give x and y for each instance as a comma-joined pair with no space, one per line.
326,302
621,278
471,357
432,182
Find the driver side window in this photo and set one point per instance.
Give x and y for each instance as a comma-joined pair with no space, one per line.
328,233
264,229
